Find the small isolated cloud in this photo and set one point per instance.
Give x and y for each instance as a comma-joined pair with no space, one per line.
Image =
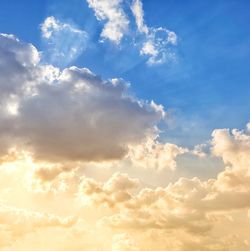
64,42
156,45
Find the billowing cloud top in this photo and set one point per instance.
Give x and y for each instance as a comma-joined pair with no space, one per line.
70,114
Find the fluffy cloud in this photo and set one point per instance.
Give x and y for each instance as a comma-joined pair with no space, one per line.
233,147
155,155
64,42
195,207
112,13
70,115
115,191
155,43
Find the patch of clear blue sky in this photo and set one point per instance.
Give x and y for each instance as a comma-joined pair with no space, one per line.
209,86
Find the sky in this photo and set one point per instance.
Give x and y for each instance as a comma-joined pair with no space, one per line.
124,125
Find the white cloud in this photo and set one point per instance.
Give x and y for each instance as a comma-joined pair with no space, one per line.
156,40
149,49
64,42
155,43
49,25
137,10
155,155
111,12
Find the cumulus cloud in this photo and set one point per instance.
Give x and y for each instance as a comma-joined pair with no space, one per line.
233,147
193,206
155,155
67,115
64,42
115,191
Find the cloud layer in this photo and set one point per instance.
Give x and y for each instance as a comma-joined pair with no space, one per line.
58,127
67,115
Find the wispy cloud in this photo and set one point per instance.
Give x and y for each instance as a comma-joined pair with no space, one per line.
64,42
156,40
154,43
112,13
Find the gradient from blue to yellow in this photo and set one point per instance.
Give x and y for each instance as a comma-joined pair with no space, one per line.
208,85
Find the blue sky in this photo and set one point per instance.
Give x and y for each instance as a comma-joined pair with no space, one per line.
206,87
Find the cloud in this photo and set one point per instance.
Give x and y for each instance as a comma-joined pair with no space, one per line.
154,43
17,222
155,155
233,147
64,42
189,205
111,12
137,10
52,121
115,191
52,179
16,60
157,45
68,115
124,242
156,40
